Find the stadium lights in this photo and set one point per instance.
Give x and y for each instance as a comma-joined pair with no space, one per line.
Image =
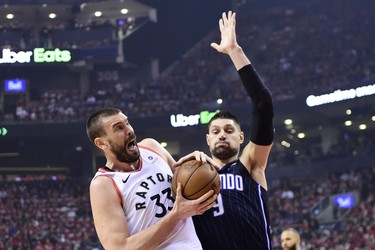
9,16
124,11
98,13
348,112
348,123
301,135
52,15
362,126
373,118
285,144
288,122
164,144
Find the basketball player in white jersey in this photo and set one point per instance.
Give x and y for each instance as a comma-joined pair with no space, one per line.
131,197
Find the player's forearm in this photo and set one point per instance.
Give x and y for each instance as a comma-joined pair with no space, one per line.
153,236
238,57
262,128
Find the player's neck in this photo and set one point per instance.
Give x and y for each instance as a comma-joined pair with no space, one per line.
222,162
123,166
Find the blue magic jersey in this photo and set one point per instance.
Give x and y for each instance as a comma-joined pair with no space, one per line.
239,219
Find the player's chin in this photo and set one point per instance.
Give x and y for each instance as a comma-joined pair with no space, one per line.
134,153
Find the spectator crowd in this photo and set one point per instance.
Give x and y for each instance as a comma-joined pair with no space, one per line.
299,48
53,212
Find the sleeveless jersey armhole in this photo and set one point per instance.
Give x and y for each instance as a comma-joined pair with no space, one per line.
115,186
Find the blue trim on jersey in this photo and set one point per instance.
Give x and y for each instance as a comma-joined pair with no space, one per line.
264,215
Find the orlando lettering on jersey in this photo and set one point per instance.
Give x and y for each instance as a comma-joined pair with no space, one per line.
239,219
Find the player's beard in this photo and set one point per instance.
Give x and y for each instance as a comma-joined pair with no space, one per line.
224,153
294,247
122,154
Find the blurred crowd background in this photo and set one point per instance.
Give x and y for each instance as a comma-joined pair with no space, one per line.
324,190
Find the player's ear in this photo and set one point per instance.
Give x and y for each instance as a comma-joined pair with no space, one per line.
242,137
100,143
207,140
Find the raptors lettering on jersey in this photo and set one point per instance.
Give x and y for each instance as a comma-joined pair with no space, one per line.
145,186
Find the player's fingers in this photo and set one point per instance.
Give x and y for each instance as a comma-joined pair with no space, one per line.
221,24
208,204
190,156
229,16
203,157
214,45
199,156
212,163
232,20
176,164
178,190
206,198
224,17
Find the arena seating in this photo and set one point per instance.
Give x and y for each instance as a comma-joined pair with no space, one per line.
299,48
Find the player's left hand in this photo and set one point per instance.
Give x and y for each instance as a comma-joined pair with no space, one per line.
197,155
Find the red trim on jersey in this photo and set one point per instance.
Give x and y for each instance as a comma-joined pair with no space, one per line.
114,184
103,170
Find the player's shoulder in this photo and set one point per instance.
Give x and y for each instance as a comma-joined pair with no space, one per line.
154,146
102,187
100,181
149,143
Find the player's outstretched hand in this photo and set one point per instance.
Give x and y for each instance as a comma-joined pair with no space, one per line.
197,155
227,25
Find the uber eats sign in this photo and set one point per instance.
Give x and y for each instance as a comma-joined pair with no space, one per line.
181,120
38,55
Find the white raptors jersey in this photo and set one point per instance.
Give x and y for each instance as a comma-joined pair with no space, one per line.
146,197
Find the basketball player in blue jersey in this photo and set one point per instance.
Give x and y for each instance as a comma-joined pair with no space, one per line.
131,197
239,219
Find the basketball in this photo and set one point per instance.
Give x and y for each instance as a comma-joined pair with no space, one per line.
196,179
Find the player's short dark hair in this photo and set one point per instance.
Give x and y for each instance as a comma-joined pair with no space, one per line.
94,126
224,114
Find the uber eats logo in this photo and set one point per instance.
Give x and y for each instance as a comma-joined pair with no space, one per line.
181,120
38,55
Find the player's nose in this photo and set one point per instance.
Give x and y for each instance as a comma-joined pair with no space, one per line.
222,135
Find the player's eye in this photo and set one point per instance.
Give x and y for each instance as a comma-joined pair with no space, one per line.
118,128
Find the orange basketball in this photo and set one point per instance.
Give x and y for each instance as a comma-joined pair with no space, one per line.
196,179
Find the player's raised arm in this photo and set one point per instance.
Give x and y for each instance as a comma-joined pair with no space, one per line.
256,152
228,44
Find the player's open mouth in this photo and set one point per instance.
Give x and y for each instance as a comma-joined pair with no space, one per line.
132,145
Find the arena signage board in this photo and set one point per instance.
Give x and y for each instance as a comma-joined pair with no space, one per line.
181,120
15,85
38,55
340,95
344,201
